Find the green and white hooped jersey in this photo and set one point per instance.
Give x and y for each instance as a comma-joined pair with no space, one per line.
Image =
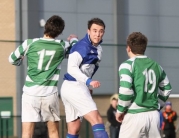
144,85
44,57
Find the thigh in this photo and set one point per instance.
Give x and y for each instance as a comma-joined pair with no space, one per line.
93,117
74,126
173,134
50,108
154,120
30,108
166,134
53,129
116,132
169,134
113,132
77,100
133,126
27,129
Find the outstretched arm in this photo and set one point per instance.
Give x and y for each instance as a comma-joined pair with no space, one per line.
17,56
72,39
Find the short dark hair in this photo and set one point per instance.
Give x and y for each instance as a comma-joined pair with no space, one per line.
95,21
114,98
137,42
54,26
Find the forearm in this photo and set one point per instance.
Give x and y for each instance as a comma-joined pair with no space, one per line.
164,89
68,46
73,41
124,101
18,53
17,56
125,90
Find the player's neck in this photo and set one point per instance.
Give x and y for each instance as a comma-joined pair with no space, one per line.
131,55
138,54
47,37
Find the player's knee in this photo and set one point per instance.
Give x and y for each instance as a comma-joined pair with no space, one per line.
53,129
97,120
53,133
26,135
100,120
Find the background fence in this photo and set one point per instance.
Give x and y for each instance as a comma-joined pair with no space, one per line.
7,125
11,123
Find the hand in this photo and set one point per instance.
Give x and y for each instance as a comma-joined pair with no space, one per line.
166,116
119,117
95,84
22,57
72,36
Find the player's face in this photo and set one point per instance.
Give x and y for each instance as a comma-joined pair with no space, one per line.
114,103
96,33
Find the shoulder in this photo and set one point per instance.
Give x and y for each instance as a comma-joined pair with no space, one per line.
63,42
109,109
81,47
127,64
33,40
153,61
156,64
83,42
29,41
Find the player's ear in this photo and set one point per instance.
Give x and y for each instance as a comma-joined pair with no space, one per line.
128,49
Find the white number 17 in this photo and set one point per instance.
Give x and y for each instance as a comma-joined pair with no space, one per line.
43,53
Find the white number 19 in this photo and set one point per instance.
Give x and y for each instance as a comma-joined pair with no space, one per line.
150,78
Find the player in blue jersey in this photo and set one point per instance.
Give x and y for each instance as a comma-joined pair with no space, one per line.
83,62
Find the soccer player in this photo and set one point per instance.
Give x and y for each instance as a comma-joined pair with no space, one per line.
40,102
144,88
83,62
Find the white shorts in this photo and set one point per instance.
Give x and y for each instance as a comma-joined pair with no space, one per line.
76,99
40,109
141,125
